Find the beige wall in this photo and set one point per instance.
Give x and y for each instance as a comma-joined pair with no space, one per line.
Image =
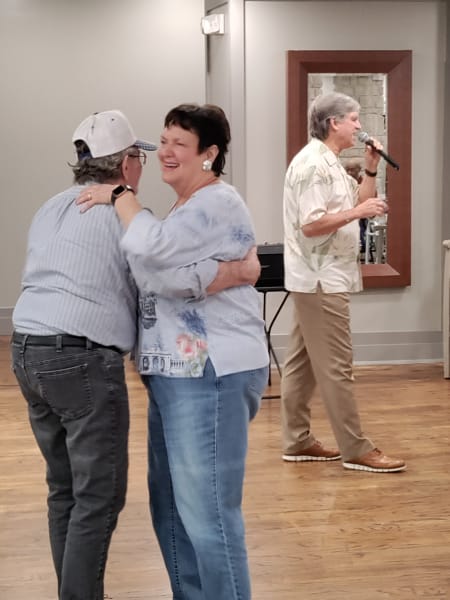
399,324
60,60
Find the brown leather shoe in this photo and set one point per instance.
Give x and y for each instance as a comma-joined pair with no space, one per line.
376,462
314,452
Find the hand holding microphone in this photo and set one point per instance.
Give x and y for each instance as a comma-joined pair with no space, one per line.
366,139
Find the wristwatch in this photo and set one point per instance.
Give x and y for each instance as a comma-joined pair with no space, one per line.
118,191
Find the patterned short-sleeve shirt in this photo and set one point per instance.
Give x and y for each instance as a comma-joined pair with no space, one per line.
317,184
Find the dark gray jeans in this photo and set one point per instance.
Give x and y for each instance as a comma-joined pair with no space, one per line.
78,408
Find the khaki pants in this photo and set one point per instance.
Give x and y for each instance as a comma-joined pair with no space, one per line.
320,351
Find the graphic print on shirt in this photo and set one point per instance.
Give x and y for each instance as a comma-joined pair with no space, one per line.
192,345
188,356
147,310
243,236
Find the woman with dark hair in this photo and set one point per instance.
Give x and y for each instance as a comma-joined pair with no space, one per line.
214,357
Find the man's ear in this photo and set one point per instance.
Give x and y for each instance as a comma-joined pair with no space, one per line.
124,168
333,123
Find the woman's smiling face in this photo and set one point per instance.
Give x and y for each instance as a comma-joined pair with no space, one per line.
178,155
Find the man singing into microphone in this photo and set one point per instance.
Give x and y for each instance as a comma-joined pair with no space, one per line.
322,207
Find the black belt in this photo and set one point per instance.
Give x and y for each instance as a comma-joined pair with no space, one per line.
59,341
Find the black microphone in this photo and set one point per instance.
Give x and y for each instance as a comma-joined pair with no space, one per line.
366,139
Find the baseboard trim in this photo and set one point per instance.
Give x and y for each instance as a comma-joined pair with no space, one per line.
6,321
386,347
368,348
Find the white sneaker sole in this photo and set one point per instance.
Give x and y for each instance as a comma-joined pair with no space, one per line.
304,458
355,467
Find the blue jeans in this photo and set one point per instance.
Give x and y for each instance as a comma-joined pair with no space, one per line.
78,409
197,450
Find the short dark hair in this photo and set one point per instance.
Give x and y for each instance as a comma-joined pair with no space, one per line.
209,123
100,170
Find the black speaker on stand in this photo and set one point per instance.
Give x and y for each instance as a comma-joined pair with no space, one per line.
271,257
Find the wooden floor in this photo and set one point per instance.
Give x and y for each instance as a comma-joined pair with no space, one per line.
315,531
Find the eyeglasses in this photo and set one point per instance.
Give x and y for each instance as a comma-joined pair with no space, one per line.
141,156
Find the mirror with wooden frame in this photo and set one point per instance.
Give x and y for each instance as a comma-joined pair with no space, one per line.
396,65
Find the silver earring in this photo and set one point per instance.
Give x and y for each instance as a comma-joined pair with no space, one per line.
207,165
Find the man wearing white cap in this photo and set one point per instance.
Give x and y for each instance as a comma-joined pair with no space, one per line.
73,323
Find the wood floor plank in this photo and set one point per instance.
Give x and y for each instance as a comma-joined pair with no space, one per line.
315,531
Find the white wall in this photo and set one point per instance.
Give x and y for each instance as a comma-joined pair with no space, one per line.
271,28
61,60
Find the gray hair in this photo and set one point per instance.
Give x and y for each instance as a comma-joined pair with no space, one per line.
326,107
100,170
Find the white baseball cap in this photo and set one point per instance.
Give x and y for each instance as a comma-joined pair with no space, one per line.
108,132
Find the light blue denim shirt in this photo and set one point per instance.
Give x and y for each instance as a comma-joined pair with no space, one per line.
178,335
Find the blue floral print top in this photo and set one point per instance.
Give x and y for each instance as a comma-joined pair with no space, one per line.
178,335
